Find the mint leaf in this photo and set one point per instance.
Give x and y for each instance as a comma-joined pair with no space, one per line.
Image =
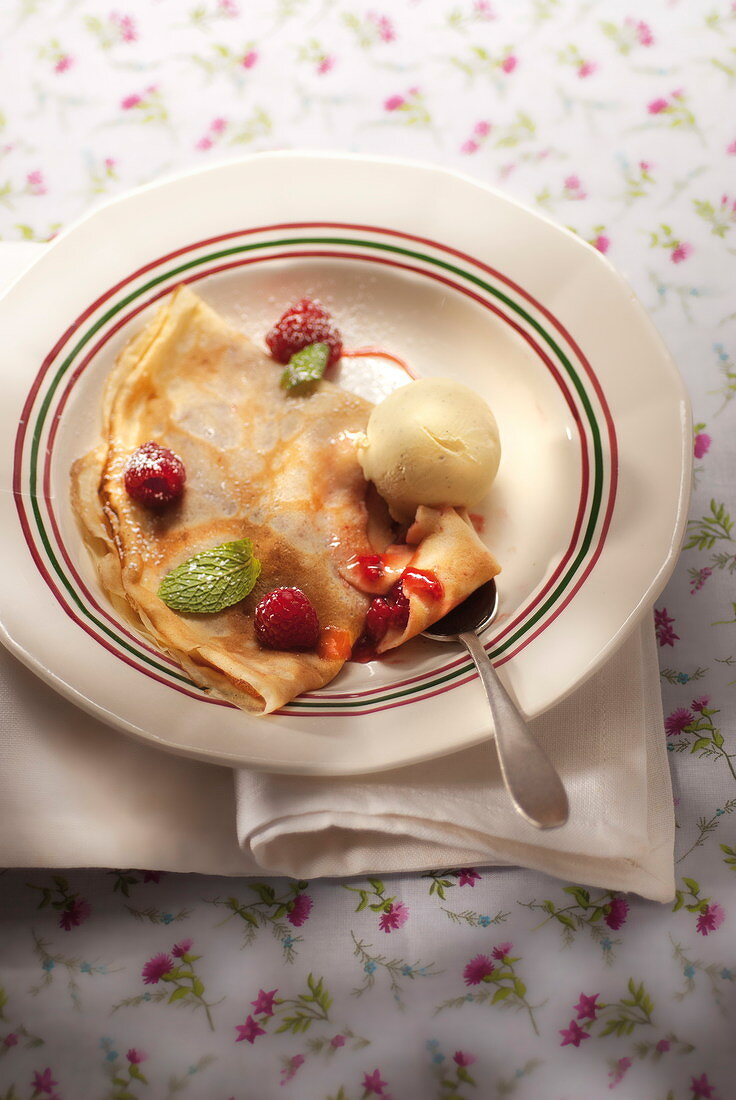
305,366
211,580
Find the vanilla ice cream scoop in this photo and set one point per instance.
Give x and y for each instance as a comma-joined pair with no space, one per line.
431,442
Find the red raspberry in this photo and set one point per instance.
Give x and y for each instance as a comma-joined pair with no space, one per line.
377,619
399,606
384,612
286,619
306,322
154,476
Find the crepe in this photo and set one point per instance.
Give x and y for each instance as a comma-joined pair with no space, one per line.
275,467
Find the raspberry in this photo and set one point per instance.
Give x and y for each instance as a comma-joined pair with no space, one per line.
286,619
154,476
398,606
377,619
384,612
306,322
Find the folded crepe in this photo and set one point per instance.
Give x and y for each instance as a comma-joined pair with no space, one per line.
278,468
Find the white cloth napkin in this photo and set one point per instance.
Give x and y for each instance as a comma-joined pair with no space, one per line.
75,793
607,742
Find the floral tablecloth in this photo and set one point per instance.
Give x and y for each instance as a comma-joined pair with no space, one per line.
618,120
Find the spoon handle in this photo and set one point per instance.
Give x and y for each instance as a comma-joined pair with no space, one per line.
531,780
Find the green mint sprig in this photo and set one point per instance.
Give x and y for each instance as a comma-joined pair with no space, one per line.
212,580
305,366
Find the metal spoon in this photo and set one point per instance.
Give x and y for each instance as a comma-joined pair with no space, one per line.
530,779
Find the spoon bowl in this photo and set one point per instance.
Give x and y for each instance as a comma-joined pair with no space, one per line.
529,776
476,612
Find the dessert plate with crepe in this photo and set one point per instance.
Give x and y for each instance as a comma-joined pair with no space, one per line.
329,473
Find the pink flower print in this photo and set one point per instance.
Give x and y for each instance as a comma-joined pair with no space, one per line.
35,183
699,578
702,1087
263,1004
619,1070
110,163
644,34
155,969
301,907
289,1070
574,188
75,914
676,722
249,59
573,1035
617,911
477,969
337,1041
181,949
393,917
586,69
586,1007
372,1083
710,919
64,63
325,65
460,1058
204,143
135,1057
700,703
131,101
509,63
701,444
681,252
468,876
662,1046
502,949
602,243
393,103
663,624
218,125
43,1082
483,9
731,149
657,106
482,128
468,147
645,165
249,1031
125,25
383,25
228,7
10,1040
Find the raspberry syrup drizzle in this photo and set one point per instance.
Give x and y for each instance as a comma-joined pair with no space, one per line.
376,573
379,353
423,583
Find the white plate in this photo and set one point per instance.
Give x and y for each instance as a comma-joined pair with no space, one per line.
586,515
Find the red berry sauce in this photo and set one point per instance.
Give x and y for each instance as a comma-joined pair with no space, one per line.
423,583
